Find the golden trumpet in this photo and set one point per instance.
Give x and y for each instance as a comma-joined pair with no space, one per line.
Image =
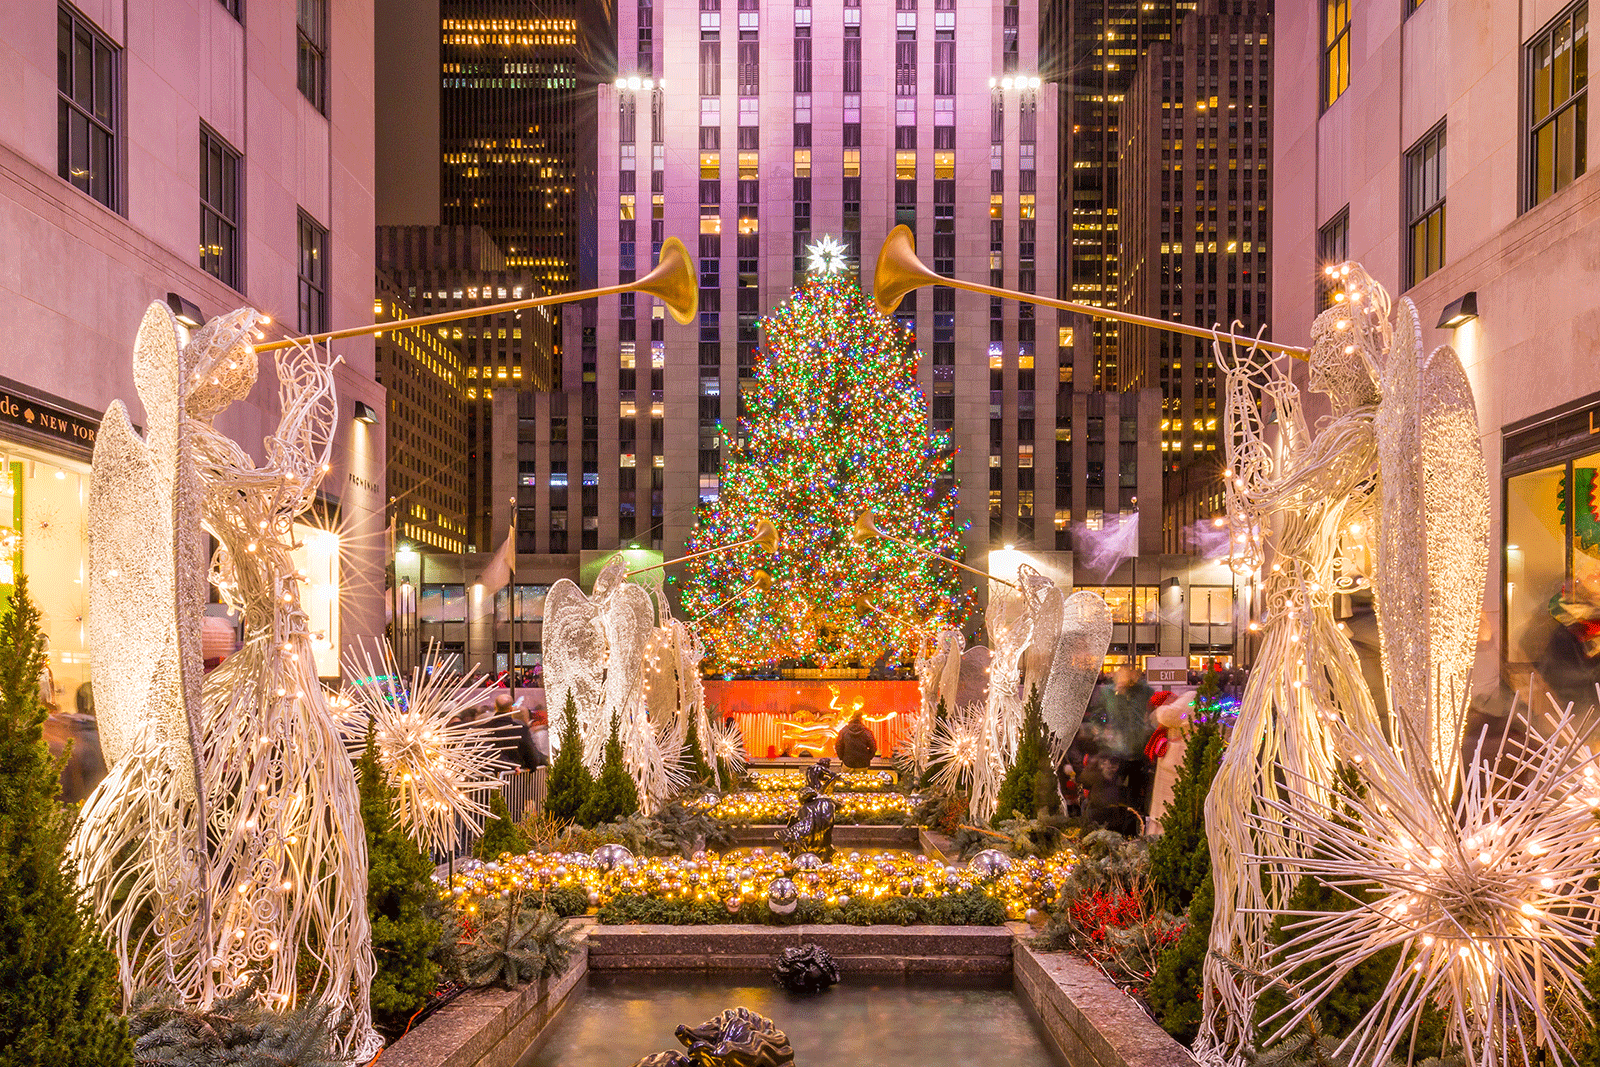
672,281
899,271
866,529
766,536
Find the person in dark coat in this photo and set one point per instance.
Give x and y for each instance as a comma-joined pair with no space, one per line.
512,736
86,765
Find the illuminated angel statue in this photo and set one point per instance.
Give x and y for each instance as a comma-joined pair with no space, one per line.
594,648
1071,634
938,676
276,888
1308,489
654,732
443,772
1397,463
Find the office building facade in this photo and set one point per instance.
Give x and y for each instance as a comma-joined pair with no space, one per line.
1092,49
1193,239
135,164
1449,155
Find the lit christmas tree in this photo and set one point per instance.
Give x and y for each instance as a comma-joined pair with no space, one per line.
836,427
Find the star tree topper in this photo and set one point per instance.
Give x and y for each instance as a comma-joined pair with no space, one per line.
827,256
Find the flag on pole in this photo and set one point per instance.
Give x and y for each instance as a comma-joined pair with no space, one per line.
500,570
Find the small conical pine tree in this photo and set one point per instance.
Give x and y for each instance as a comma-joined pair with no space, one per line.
569,782
1019,793
58,984
1180,857
614,794
694,757
404,937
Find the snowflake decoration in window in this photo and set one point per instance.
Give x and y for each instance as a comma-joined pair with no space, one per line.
827,256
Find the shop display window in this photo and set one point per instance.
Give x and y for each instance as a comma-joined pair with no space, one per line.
1552,580
44,535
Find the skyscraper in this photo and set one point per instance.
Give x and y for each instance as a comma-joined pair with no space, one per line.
1092,48
1194,158
515,115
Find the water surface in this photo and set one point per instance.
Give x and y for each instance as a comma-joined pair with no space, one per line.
614,1019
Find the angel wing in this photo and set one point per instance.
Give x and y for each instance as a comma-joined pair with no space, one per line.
1075,664
628,616
1432,551
1046,603
574,657
972,686
138,668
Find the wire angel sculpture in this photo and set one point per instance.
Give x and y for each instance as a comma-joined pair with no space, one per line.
1399,454
1071,634
443,772
594,648
938,676
655,732
253,754
1309,489
1484,883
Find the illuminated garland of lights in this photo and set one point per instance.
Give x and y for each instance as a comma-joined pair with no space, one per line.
794,778
837,426
770,808
744,874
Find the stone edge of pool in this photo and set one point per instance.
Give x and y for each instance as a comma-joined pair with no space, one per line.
1091,1021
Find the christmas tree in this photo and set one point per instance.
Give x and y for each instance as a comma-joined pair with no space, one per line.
614,794
403,935
834,426
58,984
1029,784
569,783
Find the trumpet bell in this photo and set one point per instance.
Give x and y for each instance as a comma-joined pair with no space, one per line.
761,580
899,271
673,282
865,529
766,536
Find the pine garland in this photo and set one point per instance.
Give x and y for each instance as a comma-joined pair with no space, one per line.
59,997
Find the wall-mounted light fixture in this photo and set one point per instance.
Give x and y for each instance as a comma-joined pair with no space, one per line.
185,312
1459,311
1174,585
364,413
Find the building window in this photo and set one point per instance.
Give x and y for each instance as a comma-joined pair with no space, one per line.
1425,178
1558,116
86,120
232,7
1552,573
219,208
312,26
1333,246
313,276
1335,50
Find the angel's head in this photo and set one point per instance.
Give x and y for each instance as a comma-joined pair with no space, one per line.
222,364
1350,339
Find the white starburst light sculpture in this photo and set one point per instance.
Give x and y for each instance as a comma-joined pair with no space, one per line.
443,772
826,256
1489,897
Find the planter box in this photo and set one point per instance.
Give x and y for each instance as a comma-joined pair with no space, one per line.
845,837
1092,1021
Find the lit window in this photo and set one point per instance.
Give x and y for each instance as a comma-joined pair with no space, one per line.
86,131
1558,63
1335,50
852,162
1425,167
627,203
802,162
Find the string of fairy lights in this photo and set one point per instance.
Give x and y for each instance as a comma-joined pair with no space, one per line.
743,875
837,425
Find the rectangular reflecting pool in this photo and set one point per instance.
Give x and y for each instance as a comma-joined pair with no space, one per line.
615,1018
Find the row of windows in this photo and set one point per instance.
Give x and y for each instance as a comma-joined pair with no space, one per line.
1555,124
88,82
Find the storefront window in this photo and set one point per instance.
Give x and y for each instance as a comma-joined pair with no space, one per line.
443,603
1120,599
317,557
43,534
1552,580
